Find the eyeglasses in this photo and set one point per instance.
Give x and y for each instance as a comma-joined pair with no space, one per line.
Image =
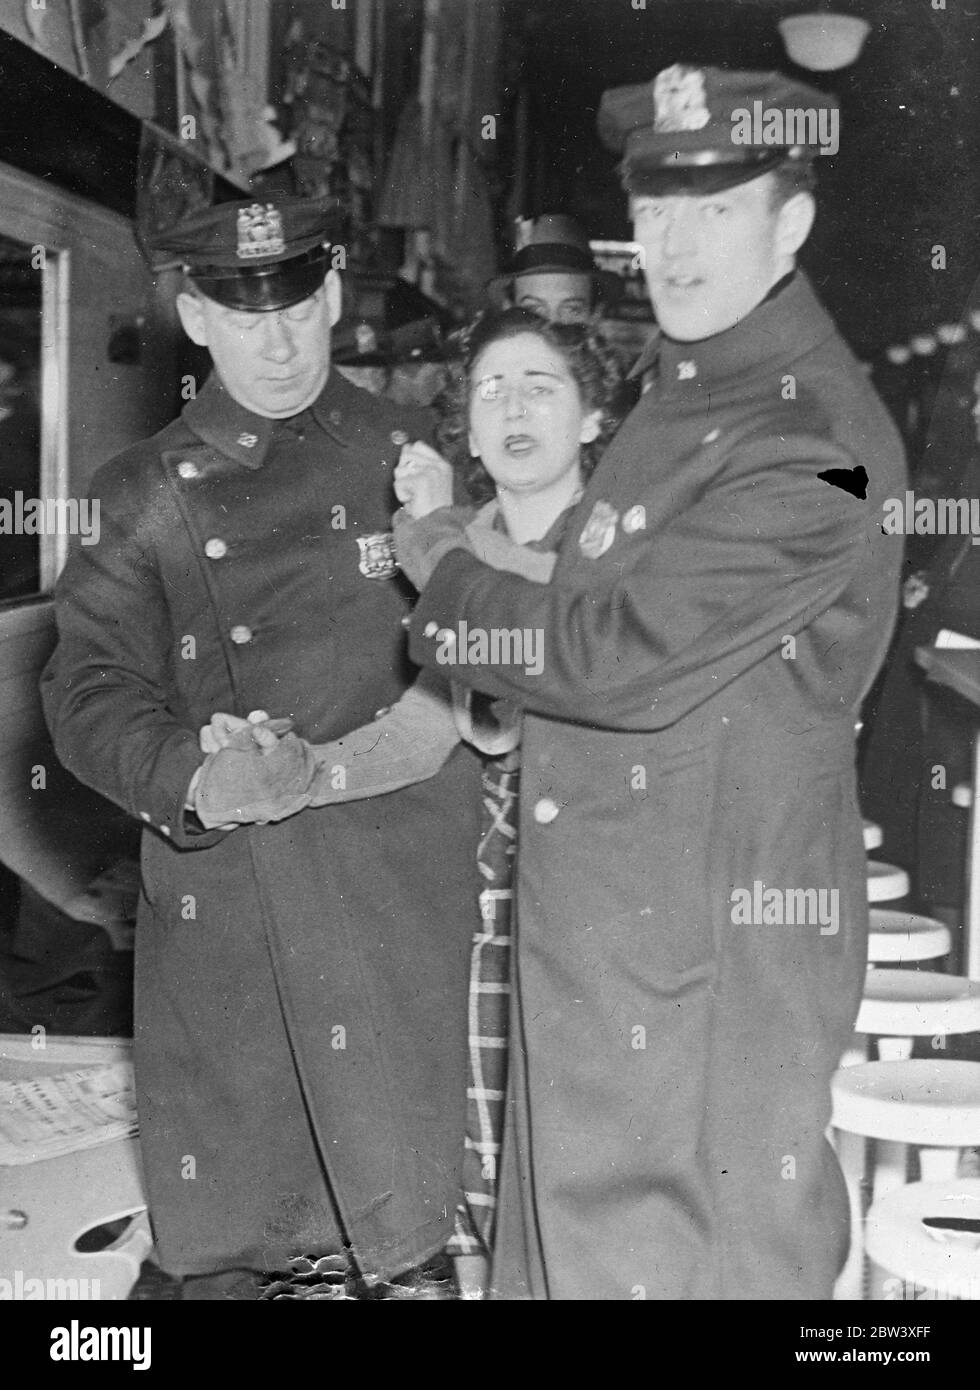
529,390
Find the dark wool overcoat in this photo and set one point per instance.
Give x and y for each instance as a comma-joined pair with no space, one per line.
300,987
716,615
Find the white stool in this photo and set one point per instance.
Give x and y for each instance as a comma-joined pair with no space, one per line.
46,1206
886,882
933,1104
900,1005
945,1262
900,937
872,835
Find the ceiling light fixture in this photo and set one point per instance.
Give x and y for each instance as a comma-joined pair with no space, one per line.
823,42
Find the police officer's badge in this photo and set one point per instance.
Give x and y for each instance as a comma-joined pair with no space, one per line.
679,100
259,232
600,531
377,555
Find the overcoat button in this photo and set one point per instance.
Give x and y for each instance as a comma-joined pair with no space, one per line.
545,810
215,548
186,469
407,621
240,634
335,417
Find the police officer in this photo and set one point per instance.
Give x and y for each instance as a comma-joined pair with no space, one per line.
553,273
301,988
692,882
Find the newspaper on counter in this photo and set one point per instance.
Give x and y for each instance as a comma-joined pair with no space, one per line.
51,1115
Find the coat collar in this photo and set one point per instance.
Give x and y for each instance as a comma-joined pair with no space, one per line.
239,434
788,322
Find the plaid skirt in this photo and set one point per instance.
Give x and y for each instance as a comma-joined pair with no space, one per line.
489,1003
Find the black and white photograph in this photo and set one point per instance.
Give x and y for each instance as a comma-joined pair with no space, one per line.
490,664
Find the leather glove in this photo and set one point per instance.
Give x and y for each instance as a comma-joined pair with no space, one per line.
244,784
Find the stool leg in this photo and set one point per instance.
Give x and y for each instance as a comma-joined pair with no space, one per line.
939,1165
890,1161
856,1051
851,1153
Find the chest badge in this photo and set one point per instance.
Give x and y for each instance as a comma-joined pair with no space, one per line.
635,520
600,531
377,555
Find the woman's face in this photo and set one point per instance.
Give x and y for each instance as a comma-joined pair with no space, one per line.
526,416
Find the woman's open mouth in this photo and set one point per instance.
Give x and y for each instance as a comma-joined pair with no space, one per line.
519,444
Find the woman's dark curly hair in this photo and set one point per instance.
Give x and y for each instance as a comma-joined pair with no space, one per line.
591,361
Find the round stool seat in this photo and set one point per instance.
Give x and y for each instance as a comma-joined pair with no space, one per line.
886,882
872,835
905,936
923,1102
943,1260
918,1003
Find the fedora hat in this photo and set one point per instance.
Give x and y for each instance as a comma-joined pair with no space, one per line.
553,244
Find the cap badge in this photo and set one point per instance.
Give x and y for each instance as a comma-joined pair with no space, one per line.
635,520
399,437
248,441
377,555
259,232
600,531
679,100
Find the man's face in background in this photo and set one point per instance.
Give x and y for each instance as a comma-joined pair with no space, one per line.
274,362
559,296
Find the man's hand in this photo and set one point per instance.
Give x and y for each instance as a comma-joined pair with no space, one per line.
229,731
423,480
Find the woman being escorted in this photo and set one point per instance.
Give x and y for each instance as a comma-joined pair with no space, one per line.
525,423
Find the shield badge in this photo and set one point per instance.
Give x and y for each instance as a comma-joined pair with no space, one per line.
679,100
600,531
377,555
259,232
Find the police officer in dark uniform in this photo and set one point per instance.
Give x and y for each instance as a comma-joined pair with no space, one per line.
300,988
692,882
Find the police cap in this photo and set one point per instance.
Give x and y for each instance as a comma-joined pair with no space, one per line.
258,255
702,129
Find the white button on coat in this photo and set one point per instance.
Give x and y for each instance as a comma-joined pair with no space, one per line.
240,634
545,810
215,548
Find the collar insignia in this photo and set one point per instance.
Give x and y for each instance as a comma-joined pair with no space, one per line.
259,232
377,555
679,100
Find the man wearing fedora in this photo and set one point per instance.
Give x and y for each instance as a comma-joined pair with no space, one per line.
692,880
553,274
300,1034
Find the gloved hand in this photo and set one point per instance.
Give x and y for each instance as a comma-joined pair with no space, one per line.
421,544
244,784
